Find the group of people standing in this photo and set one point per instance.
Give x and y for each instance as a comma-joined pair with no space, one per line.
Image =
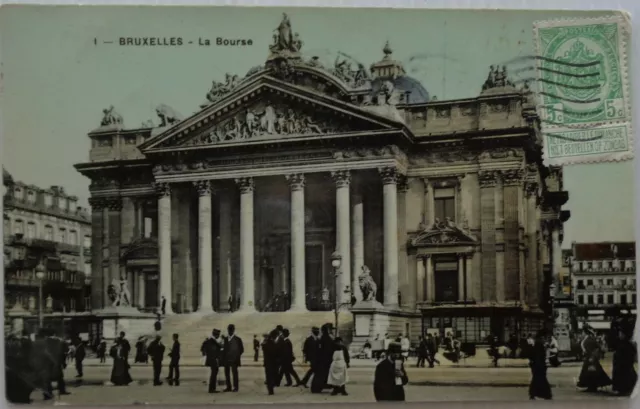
225,351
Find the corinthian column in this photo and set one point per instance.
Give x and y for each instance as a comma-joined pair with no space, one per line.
247,276
298,299
164,244
205,292
390,199
357,218
343,235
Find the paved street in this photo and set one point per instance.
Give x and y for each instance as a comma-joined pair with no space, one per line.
426,384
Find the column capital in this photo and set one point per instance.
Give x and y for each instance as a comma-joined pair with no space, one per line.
488,178
531,189
162,189
296,181
97,203
512,177
203,187
342,178
114,204
245,184
389,175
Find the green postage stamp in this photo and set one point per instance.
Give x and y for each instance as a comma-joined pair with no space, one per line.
583,85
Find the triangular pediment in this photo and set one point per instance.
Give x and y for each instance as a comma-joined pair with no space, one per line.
443,233
269,110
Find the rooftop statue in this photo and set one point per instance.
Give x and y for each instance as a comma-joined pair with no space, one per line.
110,117
284,40
497,78
168,116
220,89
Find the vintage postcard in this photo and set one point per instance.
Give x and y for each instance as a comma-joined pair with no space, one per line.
218,205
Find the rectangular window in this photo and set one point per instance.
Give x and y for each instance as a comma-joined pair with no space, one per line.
609,281
18,227
609,298
633,298
48,233
446,280
62,238
581,299
31,230
445,204
623,299
600,282
87,242
590,299
580,285
31,197
600,299
589,282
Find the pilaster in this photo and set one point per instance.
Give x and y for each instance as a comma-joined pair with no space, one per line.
487,181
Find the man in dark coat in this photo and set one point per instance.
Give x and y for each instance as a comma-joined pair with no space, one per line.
174,363
212,350
324,359
256,348
233,350
102,351
390,376
126,346
81,353
58,350
270,360
42,363
310,352
156,352
286,360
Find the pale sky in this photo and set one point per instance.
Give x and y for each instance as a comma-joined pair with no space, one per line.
56,81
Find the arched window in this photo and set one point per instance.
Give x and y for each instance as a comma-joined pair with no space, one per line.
17,193
48,232
31,230
31,196
87,242
18,227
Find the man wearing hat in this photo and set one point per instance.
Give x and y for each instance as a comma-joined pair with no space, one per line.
310,353
211,350
390,376
232,350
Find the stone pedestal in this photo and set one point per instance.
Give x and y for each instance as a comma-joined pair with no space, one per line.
134,323
371,318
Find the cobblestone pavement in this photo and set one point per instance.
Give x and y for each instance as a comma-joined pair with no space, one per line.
512,387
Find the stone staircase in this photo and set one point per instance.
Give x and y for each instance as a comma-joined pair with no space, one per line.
194,328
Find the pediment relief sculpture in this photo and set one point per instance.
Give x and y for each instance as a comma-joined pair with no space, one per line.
443,232
267,120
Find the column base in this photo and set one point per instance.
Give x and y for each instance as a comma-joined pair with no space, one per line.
204,310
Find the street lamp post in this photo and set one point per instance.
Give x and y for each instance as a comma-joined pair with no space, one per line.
336,261
40,276
552,297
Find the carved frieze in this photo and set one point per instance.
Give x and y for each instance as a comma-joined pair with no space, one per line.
444,112
268,120
389,150
443,232
104,183
468,110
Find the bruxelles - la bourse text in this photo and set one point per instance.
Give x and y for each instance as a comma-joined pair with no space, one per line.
179,41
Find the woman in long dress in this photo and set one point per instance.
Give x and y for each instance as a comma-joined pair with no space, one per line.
539,386
120,372
624,375
592,375
338,370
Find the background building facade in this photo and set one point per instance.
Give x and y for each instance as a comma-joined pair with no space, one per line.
47,227
603,278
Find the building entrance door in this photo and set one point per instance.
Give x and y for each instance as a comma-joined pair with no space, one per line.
151,299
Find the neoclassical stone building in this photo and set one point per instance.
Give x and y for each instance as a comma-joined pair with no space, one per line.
447,203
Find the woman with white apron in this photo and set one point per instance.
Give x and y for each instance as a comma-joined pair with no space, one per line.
338,371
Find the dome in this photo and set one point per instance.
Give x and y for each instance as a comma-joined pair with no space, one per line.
403,84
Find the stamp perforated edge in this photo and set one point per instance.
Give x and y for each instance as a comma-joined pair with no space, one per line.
590,159
622,18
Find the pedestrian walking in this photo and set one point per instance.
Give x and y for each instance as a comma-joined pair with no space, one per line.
310,354
390,376
232,350
163,306
211,350
539,386
421,352
592,376
102,351
141,351
80,354
270,360
286,361
43,363
256,348
156,352
174,363
120,371
323,361
624,375
338,377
